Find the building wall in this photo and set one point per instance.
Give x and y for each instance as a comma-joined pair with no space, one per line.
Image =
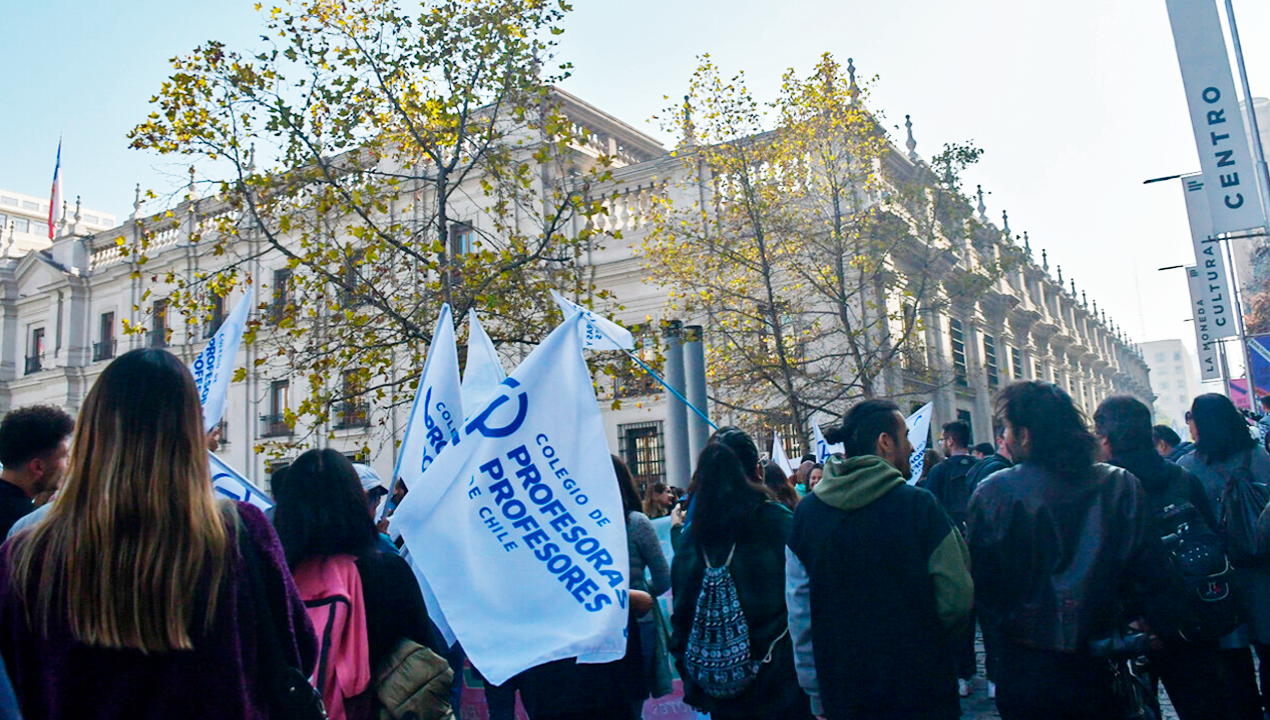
24,222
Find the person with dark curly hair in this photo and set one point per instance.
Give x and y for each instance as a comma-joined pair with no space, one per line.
1060,547
35,452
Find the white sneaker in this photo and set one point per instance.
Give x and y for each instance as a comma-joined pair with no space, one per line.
963,687
992,690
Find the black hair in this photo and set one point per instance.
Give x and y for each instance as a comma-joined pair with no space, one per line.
998,429
807,458
959,432
1059,435
32,432
321,509
626,487
779,484
1220,428
1265,401
1126,423
1165,433
739,442
723,497
862,425
985,449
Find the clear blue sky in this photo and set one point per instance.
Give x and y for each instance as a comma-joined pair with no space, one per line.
1075,103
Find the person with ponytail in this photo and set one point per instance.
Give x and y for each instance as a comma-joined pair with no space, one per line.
734,515
877,581
133,598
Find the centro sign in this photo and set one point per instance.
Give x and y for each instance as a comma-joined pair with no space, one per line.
1225,161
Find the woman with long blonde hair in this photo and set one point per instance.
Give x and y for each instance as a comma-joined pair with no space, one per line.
132,597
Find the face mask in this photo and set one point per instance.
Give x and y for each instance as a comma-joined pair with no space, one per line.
801,488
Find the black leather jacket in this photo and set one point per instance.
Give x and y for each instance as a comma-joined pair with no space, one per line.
1057,562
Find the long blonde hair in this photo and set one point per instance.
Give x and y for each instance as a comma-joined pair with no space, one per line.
135,535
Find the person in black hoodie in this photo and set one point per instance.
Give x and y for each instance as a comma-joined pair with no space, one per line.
1191,671
876,580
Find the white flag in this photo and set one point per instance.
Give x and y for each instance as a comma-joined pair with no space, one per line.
918,429
523,522
823,448
597,333
484,369
779,458
214,367
438,408
232,484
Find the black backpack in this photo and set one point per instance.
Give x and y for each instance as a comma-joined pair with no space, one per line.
1210,608
1243,500
955,494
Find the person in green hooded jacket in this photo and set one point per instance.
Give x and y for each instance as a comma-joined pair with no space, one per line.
877,581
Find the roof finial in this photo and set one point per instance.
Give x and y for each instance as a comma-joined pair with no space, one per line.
1084,299
191,185
983,209
1045,260
689,135
911,143
1073,287
251,158
78,205
1027,244
1060,277
1005,222
61,224
136,203
853,90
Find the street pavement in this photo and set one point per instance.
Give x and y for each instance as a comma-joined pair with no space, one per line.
979,707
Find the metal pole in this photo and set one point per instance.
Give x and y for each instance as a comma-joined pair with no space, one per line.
678,458
1243,338
1263,175
695,379
1225,367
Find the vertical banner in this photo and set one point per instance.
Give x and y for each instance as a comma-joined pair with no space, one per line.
1214,285
1229,178
522,521
918,430
1205,341
1259,355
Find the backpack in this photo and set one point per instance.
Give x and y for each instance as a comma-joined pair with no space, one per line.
1209,608
718,656
331,589
955,494
1243,500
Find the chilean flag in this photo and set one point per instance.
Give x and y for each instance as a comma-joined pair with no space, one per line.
56,200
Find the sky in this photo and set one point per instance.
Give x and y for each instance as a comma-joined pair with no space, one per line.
1074,103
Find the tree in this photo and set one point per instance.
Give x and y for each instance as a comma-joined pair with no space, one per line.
809,248
418,158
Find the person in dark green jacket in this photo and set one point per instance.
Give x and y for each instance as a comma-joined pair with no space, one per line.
730,508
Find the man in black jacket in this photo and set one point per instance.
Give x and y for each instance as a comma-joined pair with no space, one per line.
1059,545
876,581
1191,671
1000,460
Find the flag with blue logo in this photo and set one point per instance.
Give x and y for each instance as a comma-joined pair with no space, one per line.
484,369
823,448
214,367
232,484
918,429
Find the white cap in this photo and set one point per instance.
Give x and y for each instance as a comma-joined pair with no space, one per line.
370,479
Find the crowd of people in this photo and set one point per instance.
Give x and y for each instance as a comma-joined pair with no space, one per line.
841,591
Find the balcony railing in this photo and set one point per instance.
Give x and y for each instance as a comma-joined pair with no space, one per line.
352,415
34,363
103,350
275,425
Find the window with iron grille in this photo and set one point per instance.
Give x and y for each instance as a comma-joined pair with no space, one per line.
159,324
275,423
990,361
1016,364
632,380
462,239
1038,372
216,316
281,294
957,335
353,411
791,440
644,451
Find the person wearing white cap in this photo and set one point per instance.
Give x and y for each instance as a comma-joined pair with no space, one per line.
373,485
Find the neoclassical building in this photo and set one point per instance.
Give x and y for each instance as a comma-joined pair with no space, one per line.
65,308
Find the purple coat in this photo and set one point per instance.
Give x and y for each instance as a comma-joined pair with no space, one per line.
59,677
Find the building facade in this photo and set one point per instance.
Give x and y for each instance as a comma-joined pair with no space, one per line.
24,222
1173,380
65,309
